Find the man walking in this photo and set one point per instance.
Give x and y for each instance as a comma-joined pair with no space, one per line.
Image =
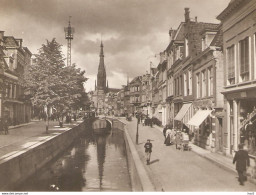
242,159
148,149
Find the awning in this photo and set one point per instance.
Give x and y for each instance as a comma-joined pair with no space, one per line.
199,117
182,112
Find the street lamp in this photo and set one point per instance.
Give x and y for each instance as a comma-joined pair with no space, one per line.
137,132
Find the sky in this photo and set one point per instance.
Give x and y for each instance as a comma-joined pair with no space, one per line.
133,32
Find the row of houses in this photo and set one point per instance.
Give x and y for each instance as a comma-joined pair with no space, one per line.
205,81
14,59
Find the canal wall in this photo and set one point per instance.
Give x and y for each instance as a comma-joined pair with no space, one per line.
135,179
139,178
19,166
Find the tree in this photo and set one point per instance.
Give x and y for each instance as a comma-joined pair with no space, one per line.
51,83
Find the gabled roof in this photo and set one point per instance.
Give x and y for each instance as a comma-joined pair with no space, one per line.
9,41
179,35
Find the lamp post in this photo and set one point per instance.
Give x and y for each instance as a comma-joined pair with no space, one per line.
137,132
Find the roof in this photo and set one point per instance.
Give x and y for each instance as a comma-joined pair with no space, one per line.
179,36
218,39
9,41
114,90
209,26
233,4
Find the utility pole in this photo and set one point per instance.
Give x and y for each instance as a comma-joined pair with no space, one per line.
69,31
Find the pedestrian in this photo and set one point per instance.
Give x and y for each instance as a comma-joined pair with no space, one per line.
164,132
242,160
5,125
148,149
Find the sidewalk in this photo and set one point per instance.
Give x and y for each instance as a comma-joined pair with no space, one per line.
218,159
26,135
175,170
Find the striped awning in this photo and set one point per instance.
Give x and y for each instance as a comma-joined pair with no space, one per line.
199,117
182,112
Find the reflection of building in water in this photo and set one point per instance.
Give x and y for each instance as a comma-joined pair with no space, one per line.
101,154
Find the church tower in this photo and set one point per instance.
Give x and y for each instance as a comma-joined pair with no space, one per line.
101,76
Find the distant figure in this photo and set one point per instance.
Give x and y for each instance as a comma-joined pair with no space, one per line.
5,125
242,159
164,131
148,149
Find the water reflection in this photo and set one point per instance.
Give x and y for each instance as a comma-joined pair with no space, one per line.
93,163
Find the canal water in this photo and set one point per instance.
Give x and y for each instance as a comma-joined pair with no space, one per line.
93,163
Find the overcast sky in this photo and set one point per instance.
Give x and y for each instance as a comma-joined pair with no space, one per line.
133,31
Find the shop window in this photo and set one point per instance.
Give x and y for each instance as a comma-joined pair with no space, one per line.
231,64
244,59
247,132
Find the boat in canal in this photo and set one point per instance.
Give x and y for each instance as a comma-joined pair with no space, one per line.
101,126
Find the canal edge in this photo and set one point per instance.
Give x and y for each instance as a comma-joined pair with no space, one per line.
144,179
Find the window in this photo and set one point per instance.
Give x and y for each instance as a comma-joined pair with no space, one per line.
210,81
185,84
180,85
231,64
190,82
244,59
186,48
203,44
198,90
203,83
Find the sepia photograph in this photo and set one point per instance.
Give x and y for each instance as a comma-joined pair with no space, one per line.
127,96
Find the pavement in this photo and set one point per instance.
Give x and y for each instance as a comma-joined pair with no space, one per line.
24,136
176,170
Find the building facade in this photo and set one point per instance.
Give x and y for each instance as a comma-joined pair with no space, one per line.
14,60
239,46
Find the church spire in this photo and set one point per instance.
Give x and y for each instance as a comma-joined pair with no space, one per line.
101,50
101,77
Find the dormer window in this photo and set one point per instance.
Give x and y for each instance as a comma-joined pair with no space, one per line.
203,43
207,38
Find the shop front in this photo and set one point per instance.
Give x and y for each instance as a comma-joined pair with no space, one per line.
203,122
241,121
183,115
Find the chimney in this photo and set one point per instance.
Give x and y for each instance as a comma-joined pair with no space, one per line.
1,38
19,42
171,34
196,19
187,19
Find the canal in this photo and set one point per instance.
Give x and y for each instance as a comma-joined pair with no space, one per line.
92,163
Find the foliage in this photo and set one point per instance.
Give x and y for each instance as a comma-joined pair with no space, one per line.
53,84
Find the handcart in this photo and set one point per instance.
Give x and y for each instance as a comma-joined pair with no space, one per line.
185,142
